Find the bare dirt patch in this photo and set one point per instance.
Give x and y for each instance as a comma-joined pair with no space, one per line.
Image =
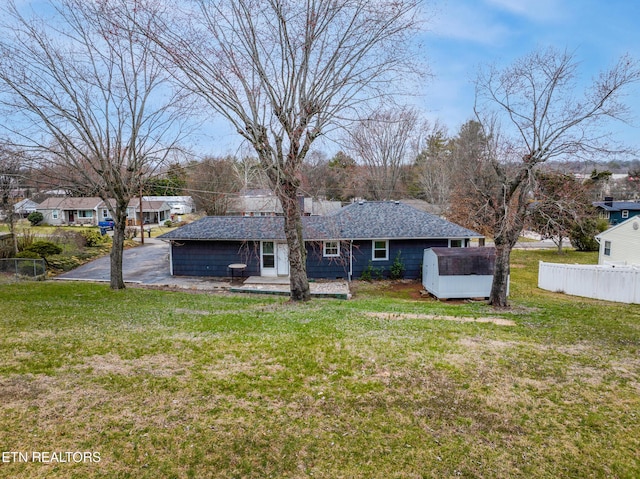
439,317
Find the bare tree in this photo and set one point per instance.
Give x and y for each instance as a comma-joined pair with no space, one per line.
434,166
536,99
383,144
285,72
87,100
10,174
212,182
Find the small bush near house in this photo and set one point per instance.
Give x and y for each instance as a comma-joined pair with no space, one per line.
371,273
35,218
397,269
582,235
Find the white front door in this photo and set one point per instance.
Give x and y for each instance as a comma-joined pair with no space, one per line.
282,253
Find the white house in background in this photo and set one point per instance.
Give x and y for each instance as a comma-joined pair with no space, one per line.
25,207
180,205
620,244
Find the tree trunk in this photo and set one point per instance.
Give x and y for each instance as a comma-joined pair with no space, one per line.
117,248
499,287
298,281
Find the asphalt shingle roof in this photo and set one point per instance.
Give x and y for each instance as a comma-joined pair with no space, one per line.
618,205
366,220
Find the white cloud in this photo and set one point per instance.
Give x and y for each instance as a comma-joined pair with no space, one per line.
538,10
468,21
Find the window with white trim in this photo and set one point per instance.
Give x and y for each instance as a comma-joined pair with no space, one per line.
456,243
330,249
625,214
54,214
268,254
380,250
85,214
607,248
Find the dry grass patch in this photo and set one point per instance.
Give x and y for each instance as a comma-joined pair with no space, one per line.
439,317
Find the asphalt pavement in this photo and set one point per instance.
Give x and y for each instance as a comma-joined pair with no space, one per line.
144,264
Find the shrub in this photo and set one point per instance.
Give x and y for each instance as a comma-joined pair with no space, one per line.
28,254
93,237
26,239
168,223
130,232
582,235
35,218
371,273
397,269
44,249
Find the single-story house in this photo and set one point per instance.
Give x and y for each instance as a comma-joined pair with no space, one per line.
153,211
620,244
178,205
92,210
25,207
70,211
340,245
264,202
617,211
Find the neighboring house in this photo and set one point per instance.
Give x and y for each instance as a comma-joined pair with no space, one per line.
320,207
256,202
341,245
90,211
153,212
620,244
70,211
179,205
25,207
263,202
617,211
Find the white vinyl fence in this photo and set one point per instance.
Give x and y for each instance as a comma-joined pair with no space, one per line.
609,282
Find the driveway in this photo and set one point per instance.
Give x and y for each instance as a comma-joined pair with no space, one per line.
145,264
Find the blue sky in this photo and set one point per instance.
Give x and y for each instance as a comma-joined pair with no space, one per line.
463,35
466,34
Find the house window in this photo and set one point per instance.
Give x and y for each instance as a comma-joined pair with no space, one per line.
54,215
456,243
380,250
85,214
625,214
268,255
105,213
607,248
331,249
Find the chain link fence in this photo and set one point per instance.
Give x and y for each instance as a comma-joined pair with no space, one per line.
23,268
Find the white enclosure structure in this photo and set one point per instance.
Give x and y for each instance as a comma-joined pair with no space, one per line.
450,273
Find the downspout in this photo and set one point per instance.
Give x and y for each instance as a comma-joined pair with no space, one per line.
350,259
171,258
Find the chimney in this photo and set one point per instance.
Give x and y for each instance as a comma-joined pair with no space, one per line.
608,201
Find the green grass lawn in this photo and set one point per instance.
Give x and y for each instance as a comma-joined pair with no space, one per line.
166,384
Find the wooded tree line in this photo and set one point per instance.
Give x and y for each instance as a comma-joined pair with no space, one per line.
98,97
